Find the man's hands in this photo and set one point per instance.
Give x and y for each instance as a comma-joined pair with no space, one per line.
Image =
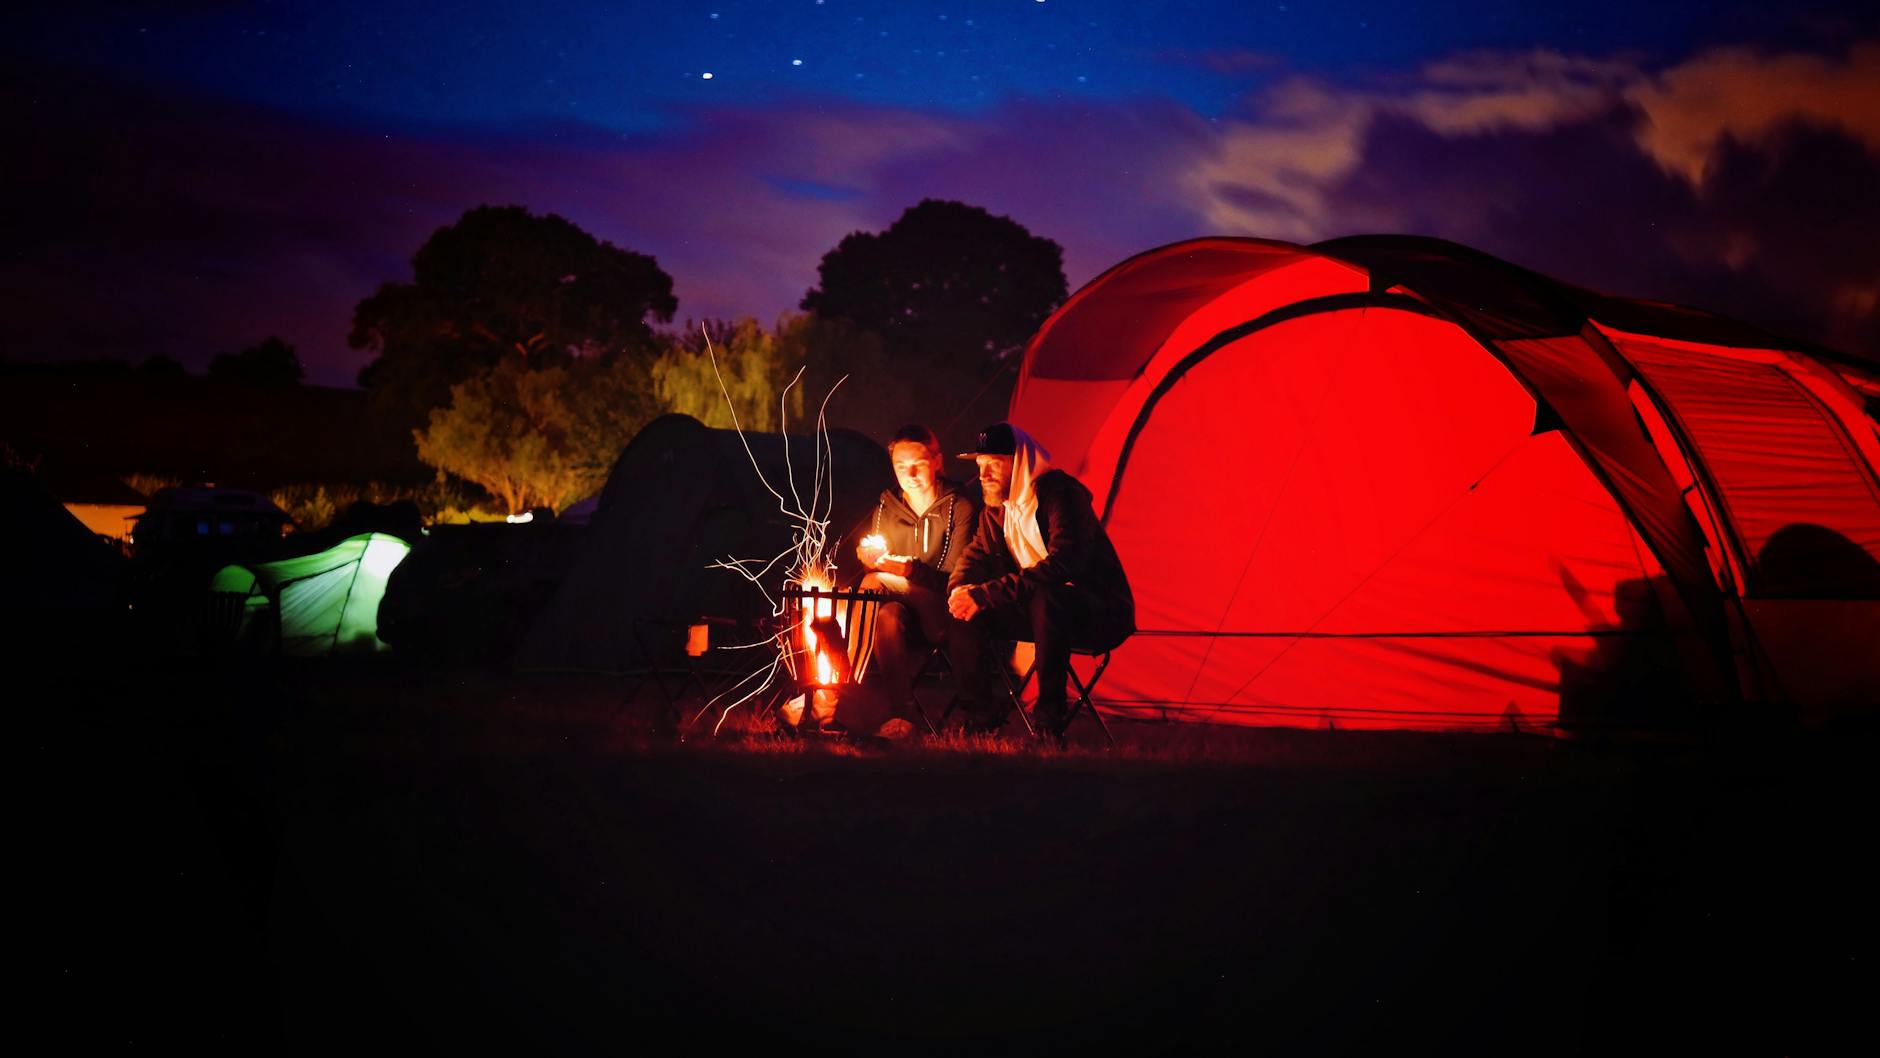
960,603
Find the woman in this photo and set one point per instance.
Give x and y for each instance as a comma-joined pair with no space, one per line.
909,546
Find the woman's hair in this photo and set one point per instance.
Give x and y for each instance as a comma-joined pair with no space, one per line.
915,433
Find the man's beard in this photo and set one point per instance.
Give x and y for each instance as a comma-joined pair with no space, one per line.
993,492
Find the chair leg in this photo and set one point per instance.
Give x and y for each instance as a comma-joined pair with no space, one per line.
1084,702
922,713
635,683
1103,725
1016,692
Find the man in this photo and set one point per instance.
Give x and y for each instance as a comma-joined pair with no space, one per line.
909,546
1039,567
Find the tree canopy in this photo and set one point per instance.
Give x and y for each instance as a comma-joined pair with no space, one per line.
272,362
538,436
504,283
753,368
946,281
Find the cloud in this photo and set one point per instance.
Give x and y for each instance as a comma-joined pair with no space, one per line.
739,205
169,223
1746,96
147,222
1487,91
1303,135
1797,204
166,223
1269,177
1732,181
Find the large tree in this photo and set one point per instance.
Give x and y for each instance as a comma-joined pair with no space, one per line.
503,283
947,281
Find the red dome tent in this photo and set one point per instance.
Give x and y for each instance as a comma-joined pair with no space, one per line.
1393,482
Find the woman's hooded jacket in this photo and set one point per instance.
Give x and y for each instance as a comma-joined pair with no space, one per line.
932,539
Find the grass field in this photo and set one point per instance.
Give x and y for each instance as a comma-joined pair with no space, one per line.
310,859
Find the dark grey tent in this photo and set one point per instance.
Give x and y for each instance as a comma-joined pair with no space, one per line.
63,565
680,496
62,589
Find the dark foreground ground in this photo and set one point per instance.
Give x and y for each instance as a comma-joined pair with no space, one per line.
312,859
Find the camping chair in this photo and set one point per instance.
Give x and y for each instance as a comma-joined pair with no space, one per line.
653,636
1015,688
1015,684
222,621
694,640
938,666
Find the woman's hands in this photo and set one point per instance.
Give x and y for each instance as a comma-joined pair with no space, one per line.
872,552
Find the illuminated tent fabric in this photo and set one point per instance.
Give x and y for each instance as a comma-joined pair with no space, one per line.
315,605
1393,482
681,496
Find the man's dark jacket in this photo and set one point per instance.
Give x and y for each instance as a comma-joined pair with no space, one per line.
1080,555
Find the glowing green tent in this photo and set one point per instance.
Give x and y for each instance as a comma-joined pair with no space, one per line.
311,606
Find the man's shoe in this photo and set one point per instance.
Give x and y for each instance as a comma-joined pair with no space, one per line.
1050,719
982,721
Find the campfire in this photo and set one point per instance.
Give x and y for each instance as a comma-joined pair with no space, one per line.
830,634
822,636
822,655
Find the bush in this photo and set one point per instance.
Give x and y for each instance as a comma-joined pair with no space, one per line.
315,505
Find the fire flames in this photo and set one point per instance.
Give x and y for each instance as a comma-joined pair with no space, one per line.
817,578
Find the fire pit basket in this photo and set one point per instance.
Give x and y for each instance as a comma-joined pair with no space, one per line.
832,634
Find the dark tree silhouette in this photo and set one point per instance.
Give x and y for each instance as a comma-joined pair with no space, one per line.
271,363
160,365
503,282
947,281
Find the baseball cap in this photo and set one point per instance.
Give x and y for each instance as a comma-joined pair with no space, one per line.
994,440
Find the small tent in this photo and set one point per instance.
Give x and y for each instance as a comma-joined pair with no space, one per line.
1393,482
317,605
680,497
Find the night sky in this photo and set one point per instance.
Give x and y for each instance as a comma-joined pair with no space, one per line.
187,178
